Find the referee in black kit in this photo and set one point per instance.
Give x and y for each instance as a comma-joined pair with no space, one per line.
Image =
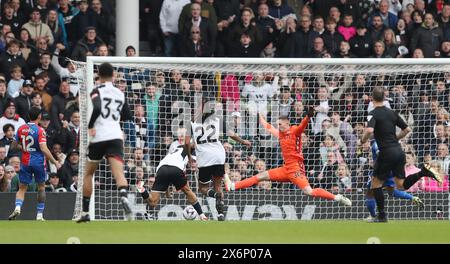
382,123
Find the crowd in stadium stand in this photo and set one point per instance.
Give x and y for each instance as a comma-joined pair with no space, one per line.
37,36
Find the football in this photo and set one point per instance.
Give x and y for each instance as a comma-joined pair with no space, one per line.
189,213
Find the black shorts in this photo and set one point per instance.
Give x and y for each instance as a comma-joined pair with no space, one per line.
205,174
167,175
110,148
390,160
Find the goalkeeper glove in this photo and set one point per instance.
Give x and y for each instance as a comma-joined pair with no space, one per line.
311,112
141,189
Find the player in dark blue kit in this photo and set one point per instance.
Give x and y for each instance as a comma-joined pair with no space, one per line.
31,139
391,159
388,185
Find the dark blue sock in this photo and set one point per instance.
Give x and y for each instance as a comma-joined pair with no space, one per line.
402,195
370,204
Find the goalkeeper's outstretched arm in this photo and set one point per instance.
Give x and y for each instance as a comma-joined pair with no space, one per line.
301,127
272,130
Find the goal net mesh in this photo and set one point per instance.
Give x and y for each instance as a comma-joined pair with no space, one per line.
163,97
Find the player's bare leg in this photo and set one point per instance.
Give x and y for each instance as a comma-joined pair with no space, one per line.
40,202
220,205
205,189
377,189
91,167
249,182
20,197
192,199
122,185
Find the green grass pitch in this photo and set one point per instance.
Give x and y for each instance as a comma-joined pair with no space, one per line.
232,232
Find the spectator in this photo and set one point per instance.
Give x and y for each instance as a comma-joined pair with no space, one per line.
288,44
70,132
195,45
285,102
347,30
246,26
8,138
388,19
321,107
207,11
319,25
102,50
106,25
391,44
71,73
37,28
418,54
279,9
56,24
327,176
344,51
45,59
379,50
59,103
360,44
322,7
11,58
150,10
152,109
10,117
319,50
428,37
3,155
235,176
16,81
23,101
227,12
69,169
344,179
264,185
376,28
40,86
264,21
8,18
331,37
76,26
56,150
130,51
3,180
168,17
335,14
53,184
9,175
305,38
445,49
443,158
258,93
443,20
14,165
208,29
87,45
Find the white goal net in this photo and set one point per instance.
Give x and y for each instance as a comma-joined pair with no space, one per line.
162,94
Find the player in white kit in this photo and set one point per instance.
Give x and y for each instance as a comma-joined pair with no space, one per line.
210,157
171,170
109,106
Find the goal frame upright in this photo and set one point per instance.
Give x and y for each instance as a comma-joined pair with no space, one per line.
87,87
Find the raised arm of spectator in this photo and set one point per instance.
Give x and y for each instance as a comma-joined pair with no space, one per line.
62,72
342,88
272,130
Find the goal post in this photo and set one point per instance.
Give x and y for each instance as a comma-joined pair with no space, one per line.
164,95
